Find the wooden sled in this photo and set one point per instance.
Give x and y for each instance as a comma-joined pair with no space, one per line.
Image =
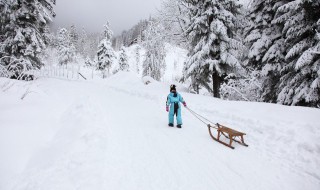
229,133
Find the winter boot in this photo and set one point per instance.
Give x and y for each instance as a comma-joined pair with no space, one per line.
170,125
179,126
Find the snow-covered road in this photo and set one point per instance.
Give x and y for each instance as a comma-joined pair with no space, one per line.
113,134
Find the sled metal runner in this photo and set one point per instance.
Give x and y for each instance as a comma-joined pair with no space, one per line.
229,133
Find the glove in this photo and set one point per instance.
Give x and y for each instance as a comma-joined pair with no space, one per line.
184,104
167,108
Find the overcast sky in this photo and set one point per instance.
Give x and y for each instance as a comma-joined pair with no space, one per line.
93,14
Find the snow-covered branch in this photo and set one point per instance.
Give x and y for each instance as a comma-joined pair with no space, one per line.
314,52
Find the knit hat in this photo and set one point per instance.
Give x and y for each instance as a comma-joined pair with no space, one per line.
172,87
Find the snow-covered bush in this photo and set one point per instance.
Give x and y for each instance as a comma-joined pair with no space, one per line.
88,62
246,87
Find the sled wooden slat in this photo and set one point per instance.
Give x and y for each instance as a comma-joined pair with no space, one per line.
229,133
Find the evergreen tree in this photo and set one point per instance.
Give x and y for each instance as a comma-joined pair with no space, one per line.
123,60
260,34
154,63
266,45
299,82
22,35
212,33
137,58
133,35
66,49
105,54
82,43
74,36
92,44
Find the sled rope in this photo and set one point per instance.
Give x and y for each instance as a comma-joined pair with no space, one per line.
201,118
215,125
198,116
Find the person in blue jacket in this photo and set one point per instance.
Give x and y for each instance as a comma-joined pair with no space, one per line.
173,101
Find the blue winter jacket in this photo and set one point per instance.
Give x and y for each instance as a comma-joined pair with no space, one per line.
171,99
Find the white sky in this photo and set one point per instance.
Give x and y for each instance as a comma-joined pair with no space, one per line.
93,14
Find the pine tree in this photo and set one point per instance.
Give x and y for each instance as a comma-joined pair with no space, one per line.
92,43
260,34
299,82
22,35
212,33
133,35
74,36
123,60
137,50
266,46
154,63
82,43
66,49
105,54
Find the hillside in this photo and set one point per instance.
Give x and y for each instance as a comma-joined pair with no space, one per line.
112,134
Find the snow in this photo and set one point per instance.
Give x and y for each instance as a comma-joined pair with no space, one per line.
245,3
113,134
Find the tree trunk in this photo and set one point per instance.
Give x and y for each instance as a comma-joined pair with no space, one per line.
197,89
216,81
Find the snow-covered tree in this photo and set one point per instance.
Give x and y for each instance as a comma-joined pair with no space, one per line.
260,34
74,36
212,33
299,82
123,60
105,54
66,49
173,16
137,56
154,63
131,36
282,40
22,34
266,45
92,44
82,43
